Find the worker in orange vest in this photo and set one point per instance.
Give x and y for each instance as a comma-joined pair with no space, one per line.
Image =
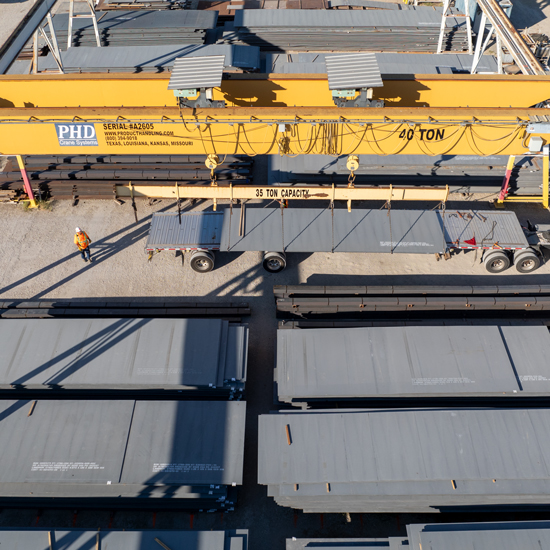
83,242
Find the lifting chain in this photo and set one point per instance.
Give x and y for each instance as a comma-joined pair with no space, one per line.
213,161
352,165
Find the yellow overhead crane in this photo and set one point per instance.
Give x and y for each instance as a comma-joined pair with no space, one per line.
60,116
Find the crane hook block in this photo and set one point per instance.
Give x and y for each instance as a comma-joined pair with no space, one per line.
352,163
212,161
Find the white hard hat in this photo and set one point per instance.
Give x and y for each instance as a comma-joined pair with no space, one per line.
78,230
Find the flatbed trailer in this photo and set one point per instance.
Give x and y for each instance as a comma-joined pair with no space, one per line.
278,231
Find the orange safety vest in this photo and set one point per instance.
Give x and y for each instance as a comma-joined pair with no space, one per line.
81,240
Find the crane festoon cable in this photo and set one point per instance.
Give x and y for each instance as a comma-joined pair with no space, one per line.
244,131
471,140
424,147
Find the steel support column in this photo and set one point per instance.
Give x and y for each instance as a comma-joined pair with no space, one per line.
26,182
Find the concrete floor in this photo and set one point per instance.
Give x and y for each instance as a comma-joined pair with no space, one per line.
12,12
38,260
532,15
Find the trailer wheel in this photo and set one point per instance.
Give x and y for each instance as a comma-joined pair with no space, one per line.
526,260
274,262
202,261
496,261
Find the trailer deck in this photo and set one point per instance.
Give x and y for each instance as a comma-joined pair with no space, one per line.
190,231
328,230
482,229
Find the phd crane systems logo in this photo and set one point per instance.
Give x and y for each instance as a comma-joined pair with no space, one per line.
76,135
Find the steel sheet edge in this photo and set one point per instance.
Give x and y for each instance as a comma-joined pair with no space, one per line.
79,539
264,131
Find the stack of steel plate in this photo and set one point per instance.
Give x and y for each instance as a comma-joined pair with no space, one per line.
137,59
327,30
138,28
209,355
406,460
78,539
104,5
94,453
462,173
333,364
389,63
333,230
510,535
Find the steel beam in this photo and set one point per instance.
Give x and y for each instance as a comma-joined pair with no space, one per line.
250,192
257,130
262,90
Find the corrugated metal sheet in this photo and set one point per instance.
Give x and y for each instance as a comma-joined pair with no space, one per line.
353,71
197,72
109,539
323,230
197,230
411,361
120,353
500,228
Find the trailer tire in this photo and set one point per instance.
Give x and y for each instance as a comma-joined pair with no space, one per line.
274,262
496,261
526,260
202,261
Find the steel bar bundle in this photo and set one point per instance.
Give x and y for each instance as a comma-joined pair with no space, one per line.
504,535
109,308
138,28
329,30
121,453
406,460
309,301
124,354
463,174
321,365
127,539
94,177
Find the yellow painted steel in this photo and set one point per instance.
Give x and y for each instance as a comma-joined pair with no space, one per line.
273,90
28,188
233,192
259,131
544,199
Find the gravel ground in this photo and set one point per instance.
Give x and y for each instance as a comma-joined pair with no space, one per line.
38,260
